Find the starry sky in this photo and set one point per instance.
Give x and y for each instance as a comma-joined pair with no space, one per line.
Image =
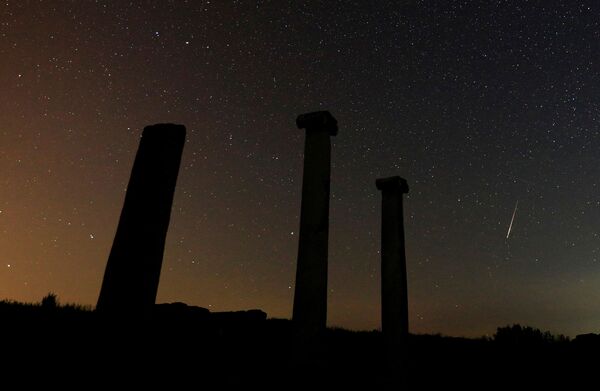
478,104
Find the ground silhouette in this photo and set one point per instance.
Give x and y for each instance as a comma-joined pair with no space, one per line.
179,344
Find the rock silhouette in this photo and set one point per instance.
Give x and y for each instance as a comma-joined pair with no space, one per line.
310,295
133,269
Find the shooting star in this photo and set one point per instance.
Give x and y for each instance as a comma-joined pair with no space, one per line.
512,219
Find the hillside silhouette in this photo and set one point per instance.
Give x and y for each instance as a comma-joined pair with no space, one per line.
181,344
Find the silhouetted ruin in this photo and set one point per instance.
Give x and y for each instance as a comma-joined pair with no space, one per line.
133,270
310,296
394,292
171,343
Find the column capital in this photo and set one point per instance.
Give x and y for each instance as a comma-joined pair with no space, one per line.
318,120
392,183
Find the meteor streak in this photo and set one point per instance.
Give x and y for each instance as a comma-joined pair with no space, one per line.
512,219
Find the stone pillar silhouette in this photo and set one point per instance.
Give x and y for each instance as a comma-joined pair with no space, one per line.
310,295
133,269
394,292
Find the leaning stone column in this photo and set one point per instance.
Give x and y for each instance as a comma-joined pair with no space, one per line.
310,296
133,269
394,293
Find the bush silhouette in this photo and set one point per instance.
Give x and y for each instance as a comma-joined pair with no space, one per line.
50,301
525,335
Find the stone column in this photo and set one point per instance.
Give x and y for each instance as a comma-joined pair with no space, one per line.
133,269
310,296
394,295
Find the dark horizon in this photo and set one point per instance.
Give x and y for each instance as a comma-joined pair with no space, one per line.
480,106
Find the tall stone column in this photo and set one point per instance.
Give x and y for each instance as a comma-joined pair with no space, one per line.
310,296
394,292
133,269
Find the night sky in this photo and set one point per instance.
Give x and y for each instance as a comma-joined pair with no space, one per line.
478,104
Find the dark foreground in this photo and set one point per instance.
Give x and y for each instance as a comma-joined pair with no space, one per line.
187,347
